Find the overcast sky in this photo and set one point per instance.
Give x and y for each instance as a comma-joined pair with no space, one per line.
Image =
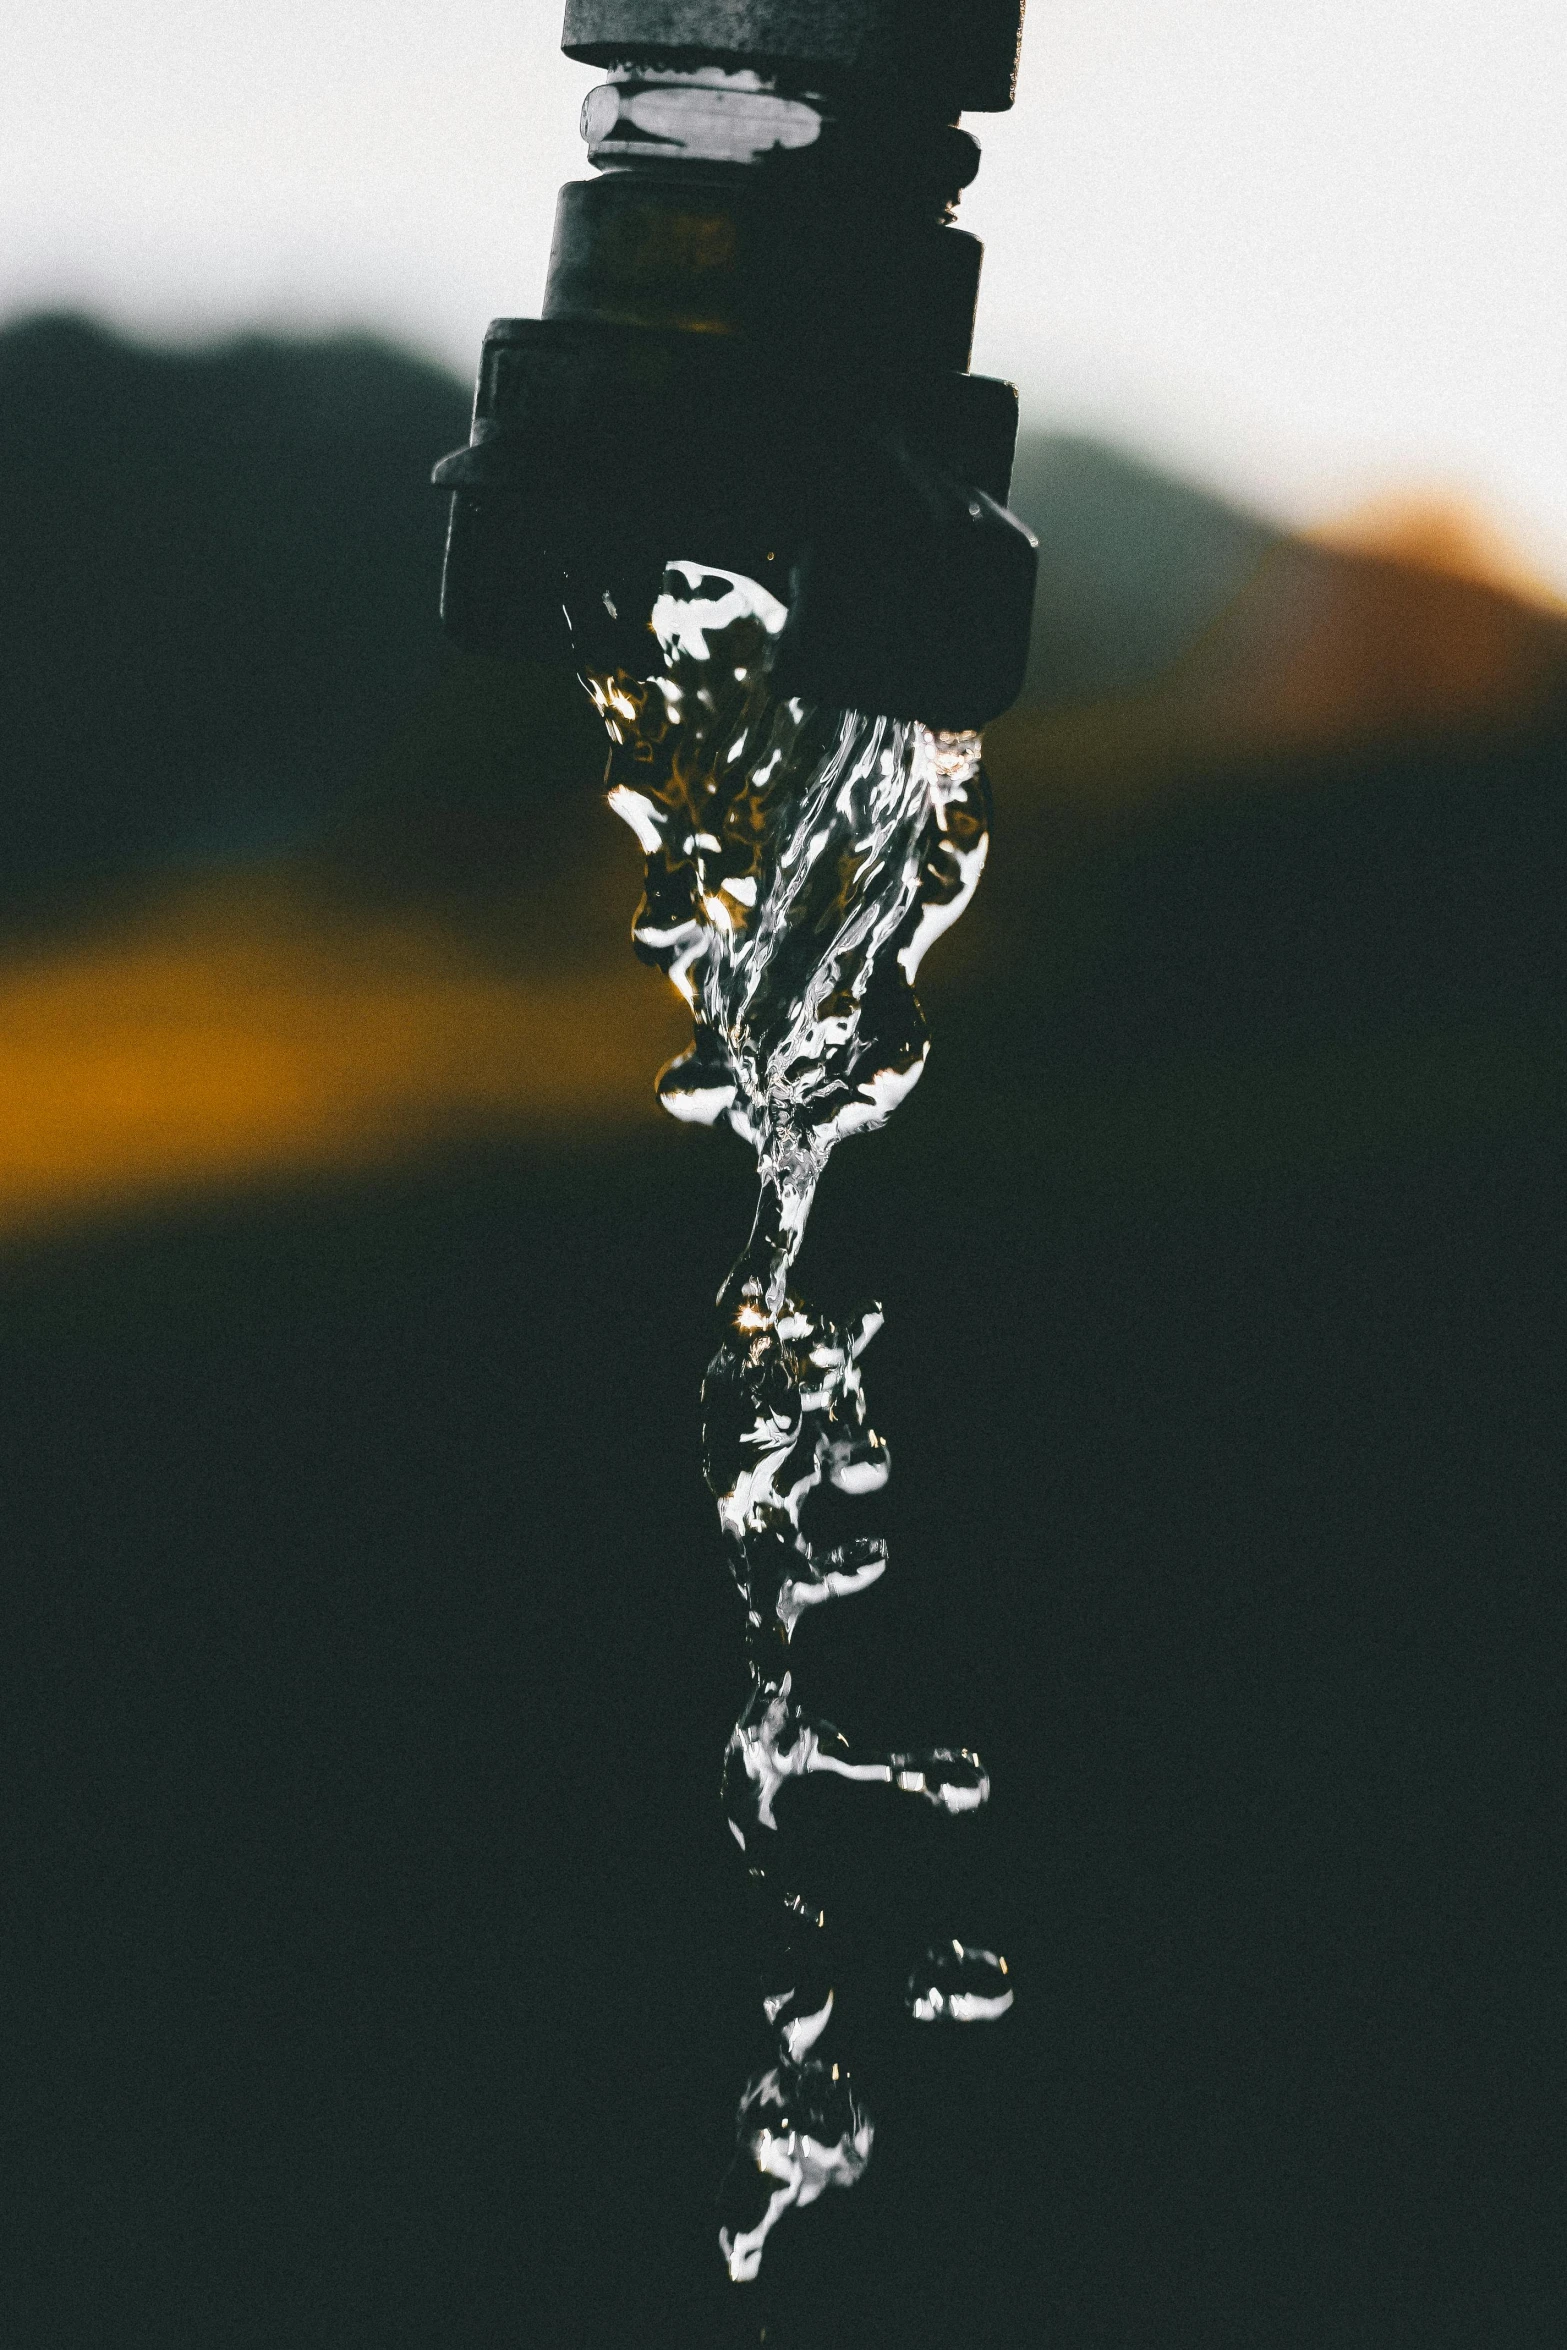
1306,249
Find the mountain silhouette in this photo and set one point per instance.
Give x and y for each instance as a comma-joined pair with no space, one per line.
218,580
1133,565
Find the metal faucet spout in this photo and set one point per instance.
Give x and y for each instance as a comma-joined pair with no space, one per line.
754,349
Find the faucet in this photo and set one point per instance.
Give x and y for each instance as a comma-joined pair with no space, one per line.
754,350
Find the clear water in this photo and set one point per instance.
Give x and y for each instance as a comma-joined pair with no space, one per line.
800,862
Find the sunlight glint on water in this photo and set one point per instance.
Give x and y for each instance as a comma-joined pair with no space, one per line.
800,861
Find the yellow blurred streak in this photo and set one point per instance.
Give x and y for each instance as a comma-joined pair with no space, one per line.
238,1030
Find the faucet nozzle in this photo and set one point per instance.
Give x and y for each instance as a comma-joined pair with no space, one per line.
754,350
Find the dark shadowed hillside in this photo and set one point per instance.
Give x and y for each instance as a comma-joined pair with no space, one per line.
1135,565
216,590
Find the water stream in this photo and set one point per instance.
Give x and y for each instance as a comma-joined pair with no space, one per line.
800,862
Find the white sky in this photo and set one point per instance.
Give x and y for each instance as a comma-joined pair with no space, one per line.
1307,250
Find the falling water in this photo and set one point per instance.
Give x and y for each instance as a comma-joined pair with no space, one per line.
800,862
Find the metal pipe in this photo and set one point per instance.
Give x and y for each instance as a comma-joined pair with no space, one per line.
754,350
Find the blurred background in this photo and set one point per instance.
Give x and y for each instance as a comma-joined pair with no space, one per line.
373,1951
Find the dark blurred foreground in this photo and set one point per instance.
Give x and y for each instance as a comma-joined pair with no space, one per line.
374,1953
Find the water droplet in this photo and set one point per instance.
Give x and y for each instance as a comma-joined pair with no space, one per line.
958,1985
